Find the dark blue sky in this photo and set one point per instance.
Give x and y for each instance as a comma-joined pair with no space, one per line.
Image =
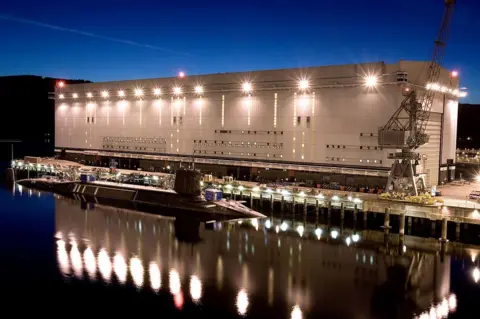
223,36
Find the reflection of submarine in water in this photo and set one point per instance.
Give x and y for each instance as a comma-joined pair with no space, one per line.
186,195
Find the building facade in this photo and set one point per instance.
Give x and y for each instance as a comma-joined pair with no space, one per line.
319,120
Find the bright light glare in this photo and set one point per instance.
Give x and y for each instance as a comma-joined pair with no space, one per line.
247,87
76,260
199,89
268,224
155,276
157,91
334,234
348,241
254,223
318,233
303,84
174,282
454,74
284,226
302,194
476,274
62,257
255,189
138,92
90,262
300,230
181,74
61,96
120,267
75,95
89,95
371,81
452,302
177,90
104,93
242,302
136,270
296,313
61,84
355,238
104,264
463,94
195,288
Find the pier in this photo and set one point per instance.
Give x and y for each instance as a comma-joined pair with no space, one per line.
312,202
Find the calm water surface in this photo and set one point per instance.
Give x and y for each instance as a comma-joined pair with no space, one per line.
62,257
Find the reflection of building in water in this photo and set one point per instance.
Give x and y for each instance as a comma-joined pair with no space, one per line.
306,276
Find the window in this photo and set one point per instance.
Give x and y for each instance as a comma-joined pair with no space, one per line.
299,120
308,121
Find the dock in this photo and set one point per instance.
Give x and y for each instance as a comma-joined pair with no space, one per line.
302,200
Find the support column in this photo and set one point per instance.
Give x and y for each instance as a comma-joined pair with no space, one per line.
283,204
402,225
305,206
316,213
444,230
434,224
329,210
293,205
409,225
342,211
457,231
261,200
355,212
271,203
365,216
251,199
386,221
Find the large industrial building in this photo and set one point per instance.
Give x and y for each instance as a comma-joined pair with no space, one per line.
317,123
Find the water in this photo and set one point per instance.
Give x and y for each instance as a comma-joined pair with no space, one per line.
64,257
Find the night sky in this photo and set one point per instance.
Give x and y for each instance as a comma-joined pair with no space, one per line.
119,40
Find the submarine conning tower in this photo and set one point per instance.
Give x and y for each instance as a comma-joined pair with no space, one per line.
187,182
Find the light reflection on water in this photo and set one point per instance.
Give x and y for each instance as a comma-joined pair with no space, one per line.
90,262
120,267
137,271
289,269
62,257
76,260
104,264
155,276
242,302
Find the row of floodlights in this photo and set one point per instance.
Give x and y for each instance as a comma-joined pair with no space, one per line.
247,88
439,88
285,192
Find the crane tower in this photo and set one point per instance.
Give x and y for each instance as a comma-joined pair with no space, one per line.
405,131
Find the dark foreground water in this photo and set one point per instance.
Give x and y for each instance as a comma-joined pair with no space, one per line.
64,258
